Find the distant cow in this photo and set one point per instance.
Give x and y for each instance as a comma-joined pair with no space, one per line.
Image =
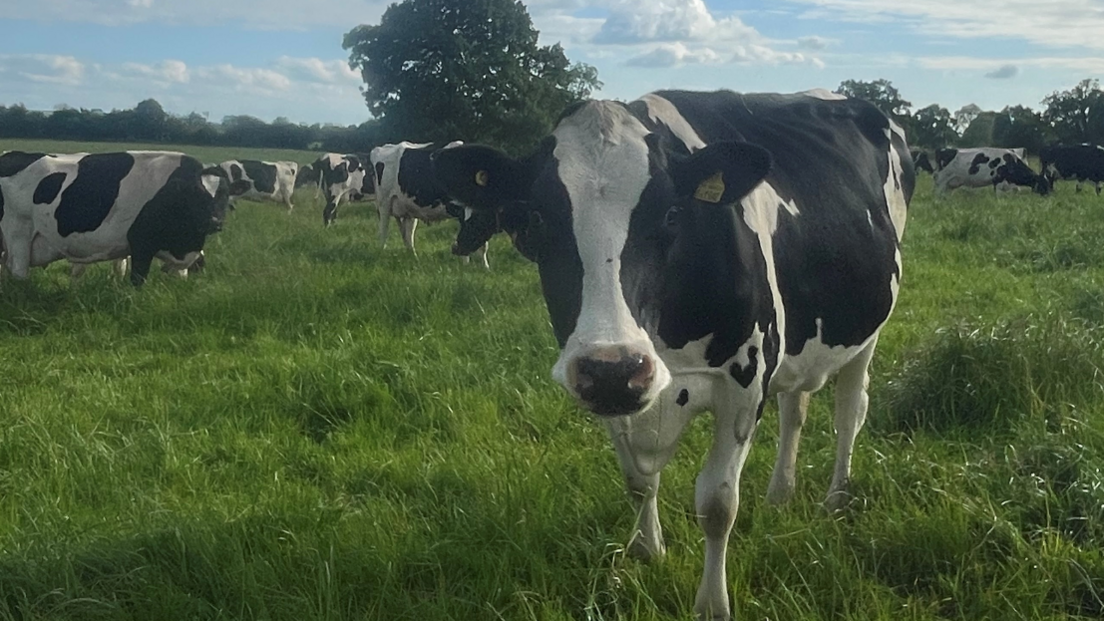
274,181
985,166
407,191
920,160
105,206
944,156
342,177
1083,162
707,251
307,175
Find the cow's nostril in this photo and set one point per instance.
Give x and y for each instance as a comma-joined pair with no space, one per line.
613,382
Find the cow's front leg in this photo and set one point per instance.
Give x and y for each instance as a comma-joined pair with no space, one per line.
717,498
792,409
646,542
140,261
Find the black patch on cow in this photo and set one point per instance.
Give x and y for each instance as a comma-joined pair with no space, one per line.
89,198
48,188
237,173
14,162
416,178
379,172
178,218
744,376
683,397
262,174
975,164
1083,162
995,163
944,157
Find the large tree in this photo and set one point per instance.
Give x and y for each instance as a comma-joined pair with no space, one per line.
1077,115
881,93
932,128
464,69
1019,126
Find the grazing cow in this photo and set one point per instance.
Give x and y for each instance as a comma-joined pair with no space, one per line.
342,177
407,191
274,181
945,155
105,206
920,160
986,166
1083,162
686,268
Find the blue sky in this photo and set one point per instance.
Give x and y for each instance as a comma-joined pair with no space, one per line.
273,58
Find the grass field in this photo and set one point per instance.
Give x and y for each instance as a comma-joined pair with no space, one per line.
317,428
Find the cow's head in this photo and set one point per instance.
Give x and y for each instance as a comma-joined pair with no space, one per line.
610,213
1016,171
217,184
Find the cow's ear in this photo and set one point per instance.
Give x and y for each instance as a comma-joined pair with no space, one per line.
721,173
481,177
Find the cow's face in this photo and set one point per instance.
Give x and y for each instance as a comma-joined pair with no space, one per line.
476,228
217,184
1016,171
604,209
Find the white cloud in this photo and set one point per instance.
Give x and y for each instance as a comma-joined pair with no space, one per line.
1053,23
42,68
644,21
674,54
813,43
304,89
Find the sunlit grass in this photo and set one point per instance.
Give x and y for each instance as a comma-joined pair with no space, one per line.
316,428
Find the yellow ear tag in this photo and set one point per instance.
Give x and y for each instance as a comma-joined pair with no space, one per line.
481,178
711,190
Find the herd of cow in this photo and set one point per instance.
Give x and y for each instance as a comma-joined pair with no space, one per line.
696,251
1006,169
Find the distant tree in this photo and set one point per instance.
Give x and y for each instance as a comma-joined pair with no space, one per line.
1077,115
965,115
467,69
980,131
1019,126
881,93
150,119
932,128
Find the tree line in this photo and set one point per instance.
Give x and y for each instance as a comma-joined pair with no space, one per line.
148,122
1071,116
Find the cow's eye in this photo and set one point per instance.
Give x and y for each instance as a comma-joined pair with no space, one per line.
671,218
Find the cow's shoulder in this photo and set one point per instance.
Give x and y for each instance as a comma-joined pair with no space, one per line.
14,162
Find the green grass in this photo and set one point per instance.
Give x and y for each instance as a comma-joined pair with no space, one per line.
317,428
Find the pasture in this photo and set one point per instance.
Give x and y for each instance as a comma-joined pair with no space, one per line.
318,428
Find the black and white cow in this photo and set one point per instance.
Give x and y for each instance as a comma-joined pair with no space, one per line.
1083,162
705,251
407,191
986,166
105,206
945,155
921,161
342,177
307,176
273,181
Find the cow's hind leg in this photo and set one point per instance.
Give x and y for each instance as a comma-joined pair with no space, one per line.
851,406
408,226
482,252
716,499
792,409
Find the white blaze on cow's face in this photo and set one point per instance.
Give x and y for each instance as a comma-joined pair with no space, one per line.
211,184
603,165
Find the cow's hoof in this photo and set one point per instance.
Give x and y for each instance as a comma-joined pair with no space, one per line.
645,551
838,500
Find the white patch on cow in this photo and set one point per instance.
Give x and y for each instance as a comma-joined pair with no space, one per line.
603,164
760,209
468,213
211,184
817,362
895,192
821,93
663,111
791,207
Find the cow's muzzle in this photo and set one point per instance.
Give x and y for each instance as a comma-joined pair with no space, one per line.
612,381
